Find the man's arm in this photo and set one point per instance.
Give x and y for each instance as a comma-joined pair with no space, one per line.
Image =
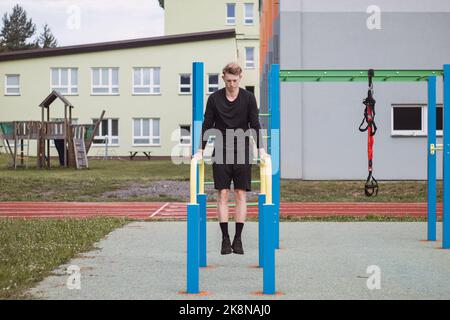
255,124
208,123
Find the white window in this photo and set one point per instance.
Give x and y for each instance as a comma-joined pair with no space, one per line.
412,120
248,13
12,87
146,81
105,81
108,131
185,134
185,83
64,80
146,132
213,82
250,57
231,13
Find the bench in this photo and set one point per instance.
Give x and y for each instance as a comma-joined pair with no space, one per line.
134,153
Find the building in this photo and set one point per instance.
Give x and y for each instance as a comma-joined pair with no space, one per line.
144,85
320,139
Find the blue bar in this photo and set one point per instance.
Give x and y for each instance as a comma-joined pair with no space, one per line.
446,184
201,200
197,107
193,261
431,230
261,201
269,249
275,146
197,104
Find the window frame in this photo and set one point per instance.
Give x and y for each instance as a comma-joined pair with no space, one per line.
252,12
424,116
184,85
247,66
184,136
151,137
110,136
110,86
152,86
212,86
230,21
12,86
69,85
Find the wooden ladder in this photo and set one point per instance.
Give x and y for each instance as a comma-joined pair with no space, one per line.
80,153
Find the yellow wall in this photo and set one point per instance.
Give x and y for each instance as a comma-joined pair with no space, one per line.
172,108
182,16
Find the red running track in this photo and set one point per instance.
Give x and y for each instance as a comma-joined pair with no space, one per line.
177,210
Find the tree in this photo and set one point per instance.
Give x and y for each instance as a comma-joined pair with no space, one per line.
17,28
161,3
46,39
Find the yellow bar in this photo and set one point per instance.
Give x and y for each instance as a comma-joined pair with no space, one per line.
193,181
262,177
201,187
268,180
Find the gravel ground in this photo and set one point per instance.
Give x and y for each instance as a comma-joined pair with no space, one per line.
167,188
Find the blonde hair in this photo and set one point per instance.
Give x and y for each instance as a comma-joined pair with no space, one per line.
232,68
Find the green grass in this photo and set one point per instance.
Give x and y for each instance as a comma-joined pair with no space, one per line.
31,249
61,184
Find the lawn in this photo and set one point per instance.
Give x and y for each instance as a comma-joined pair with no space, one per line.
105,180
31,249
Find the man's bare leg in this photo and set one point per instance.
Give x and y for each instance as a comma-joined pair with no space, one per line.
222,212
241,214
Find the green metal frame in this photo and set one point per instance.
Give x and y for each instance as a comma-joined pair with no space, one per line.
357,75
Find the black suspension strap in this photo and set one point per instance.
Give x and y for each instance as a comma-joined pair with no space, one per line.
371,186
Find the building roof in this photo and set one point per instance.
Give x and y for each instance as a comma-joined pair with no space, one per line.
116,45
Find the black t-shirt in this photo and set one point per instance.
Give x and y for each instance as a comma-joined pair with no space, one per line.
222,114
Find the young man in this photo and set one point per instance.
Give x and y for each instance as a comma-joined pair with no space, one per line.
231,112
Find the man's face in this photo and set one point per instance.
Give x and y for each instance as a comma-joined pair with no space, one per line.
231,81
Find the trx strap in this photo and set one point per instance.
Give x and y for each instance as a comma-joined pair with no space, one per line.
371,186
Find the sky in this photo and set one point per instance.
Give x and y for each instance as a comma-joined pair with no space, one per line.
89,21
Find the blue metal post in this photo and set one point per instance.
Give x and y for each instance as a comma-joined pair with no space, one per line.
446,177
269,249
201,200
193,261
431,230
261,201
275,146
197,106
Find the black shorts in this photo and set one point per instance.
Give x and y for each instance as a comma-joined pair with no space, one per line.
240,174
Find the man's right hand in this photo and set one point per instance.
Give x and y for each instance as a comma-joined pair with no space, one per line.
198,155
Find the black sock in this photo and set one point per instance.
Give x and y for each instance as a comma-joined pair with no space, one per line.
224,228
239,227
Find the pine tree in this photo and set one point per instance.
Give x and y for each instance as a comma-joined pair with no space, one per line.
17,28
46,39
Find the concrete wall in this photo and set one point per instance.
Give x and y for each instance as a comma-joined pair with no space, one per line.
319,121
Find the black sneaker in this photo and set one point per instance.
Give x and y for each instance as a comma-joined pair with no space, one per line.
237,246
226,246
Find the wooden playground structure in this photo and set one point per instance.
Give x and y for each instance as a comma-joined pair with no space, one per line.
72,141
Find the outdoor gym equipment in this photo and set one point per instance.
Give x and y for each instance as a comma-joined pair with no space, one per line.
406,76
268,199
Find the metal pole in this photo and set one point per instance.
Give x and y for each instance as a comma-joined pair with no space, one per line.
275,145
201,200
431,229
269,249
193,259
446,156
261,201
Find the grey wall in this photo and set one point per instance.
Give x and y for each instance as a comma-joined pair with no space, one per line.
319,121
